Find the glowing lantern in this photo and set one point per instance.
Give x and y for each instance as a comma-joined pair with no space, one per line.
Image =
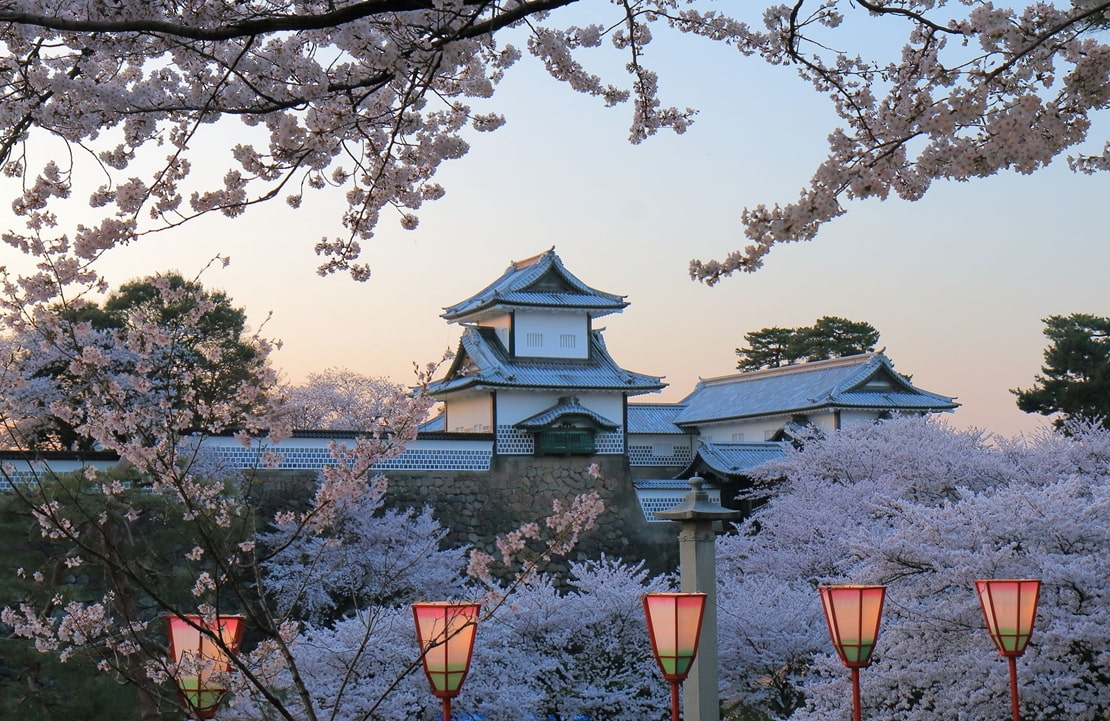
200,650
853,614
674,624
1010,608
445,632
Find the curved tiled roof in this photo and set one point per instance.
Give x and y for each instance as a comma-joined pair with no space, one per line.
566,408
731,459
541,282
866,381
482,362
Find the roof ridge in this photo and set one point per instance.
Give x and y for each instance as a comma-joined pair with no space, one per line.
516,286
791,369
518,264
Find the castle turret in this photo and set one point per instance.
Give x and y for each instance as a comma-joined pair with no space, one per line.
532,368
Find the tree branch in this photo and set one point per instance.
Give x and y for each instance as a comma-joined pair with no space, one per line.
275,23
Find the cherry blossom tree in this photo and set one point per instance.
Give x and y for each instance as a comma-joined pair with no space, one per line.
370,98
340,399
173,532
204,354
107,523
557,650
925,510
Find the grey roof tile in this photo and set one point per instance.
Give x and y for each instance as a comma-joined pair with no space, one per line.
654,418
540,281
566,407
862,381
483,362
734,458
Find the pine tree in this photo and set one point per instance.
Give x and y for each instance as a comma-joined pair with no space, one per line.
1075,378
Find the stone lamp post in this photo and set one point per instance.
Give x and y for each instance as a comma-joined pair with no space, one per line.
700,519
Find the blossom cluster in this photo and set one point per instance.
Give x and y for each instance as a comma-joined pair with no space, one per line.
925,510
370,101
976,89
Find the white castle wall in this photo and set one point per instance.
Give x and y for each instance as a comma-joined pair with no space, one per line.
551,334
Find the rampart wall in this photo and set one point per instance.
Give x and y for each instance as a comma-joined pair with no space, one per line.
476,506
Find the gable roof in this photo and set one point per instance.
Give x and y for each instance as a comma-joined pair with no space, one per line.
568,408
483,362
866,381
730,459
541,281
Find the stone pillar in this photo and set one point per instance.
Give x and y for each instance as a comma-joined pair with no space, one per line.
698,574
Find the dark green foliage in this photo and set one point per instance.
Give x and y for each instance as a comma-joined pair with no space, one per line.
828,337
832,337
36,685
770,348
1075,379
133,545
203,360
209,353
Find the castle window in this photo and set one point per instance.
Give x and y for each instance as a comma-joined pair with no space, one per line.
565,441
568,340
534,340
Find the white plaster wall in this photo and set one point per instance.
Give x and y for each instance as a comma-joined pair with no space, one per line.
551,327
849,419
825,421
502,325
515,407
663,444
470,414
755,431
752,431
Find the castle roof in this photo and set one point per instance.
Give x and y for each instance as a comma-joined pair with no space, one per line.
537,282
654,418
866,382
483,362
730,459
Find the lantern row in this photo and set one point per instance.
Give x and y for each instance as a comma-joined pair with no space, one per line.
201,647
853,613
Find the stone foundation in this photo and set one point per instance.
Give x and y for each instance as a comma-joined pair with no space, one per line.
478,506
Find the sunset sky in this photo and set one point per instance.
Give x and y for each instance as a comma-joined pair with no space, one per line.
957,284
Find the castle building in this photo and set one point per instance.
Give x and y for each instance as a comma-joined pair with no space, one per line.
730,424
533,369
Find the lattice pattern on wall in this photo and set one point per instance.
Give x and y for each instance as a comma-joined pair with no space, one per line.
610,442
664,500
513,441
22,473
438,459
411,459
20,477
645,456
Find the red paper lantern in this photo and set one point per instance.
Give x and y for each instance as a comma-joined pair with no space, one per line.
1010,608
853,614
200,650
445,631
674,625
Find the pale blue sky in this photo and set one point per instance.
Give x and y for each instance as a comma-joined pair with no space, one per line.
956,284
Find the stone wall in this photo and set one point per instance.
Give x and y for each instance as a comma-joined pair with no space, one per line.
477,506
517,489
